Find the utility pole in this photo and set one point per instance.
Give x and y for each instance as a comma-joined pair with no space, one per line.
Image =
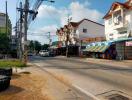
26,20
16,32
6,19
49,39
20,33
67,36
6,25
26,8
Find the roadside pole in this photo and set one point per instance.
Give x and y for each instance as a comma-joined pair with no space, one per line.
50,41
67,37
6,19
20,33
26,8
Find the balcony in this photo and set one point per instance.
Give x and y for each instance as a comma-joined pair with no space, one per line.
119,21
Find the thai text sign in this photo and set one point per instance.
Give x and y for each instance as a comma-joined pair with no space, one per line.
129,43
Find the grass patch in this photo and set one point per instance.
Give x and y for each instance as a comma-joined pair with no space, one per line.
11,63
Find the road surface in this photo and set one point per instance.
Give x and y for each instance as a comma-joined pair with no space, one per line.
94,79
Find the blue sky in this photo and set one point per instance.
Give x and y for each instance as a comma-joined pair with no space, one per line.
53,16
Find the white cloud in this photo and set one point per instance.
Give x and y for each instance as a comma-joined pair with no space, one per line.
80,11
41,34
77,10
46,29
43,30
46,11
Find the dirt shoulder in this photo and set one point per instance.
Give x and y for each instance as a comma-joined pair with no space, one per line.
35,84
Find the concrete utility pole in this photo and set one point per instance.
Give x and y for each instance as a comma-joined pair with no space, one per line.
26,20
26,8
67,36
6,20
20,33
17,35
50,41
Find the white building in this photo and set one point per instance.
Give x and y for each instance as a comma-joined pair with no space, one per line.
85,29
118,28
118,21
3,23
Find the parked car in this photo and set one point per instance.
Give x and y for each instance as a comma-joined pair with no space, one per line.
44,53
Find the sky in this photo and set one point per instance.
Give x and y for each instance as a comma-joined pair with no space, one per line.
52,16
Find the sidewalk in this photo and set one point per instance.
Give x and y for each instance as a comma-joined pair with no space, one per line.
33,83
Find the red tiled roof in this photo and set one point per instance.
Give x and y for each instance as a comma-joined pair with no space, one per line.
76,24
125,5
65,26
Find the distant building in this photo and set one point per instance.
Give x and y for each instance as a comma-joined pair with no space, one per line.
84,31
3,28
118,28
13,42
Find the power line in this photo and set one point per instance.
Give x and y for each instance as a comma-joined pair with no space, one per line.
38,34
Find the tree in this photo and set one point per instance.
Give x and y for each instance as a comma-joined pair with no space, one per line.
4,44
45,46
37,46
31,46
34,46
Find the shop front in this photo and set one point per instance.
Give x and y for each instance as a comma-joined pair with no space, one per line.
124,49
117,49
102,50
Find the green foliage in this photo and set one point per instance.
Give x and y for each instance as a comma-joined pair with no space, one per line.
11,63
45,47
4,43
34,45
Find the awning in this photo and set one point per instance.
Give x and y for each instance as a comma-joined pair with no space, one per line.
122,39
104,48
90,49
101,48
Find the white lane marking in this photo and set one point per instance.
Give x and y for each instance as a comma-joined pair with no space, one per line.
85,92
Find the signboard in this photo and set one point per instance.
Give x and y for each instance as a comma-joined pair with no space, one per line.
129,43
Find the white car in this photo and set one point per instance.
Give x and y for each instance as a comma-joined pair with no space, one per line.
44,53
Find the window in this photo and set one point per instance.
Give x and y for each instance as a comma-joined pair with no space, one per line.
110,21
84,30
74,30
110,34
123,32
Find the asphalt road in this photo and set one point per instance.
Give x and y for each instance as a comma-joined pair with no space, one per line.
94,79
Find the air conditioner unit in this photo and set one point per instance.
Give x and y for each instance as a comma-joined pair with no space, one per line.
117,19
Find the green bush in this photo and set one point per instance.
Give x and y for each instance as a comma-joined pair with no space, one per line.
11,63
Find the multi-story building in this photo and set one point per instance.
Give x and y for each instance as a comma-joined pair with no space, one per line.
79,32
118,21
82,30
118,28
5,27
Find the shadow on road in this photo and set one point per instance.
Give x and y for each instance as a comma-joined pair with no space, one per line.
67,63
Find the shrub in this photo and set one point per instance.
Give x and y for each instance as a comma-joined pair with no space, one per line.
11,63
